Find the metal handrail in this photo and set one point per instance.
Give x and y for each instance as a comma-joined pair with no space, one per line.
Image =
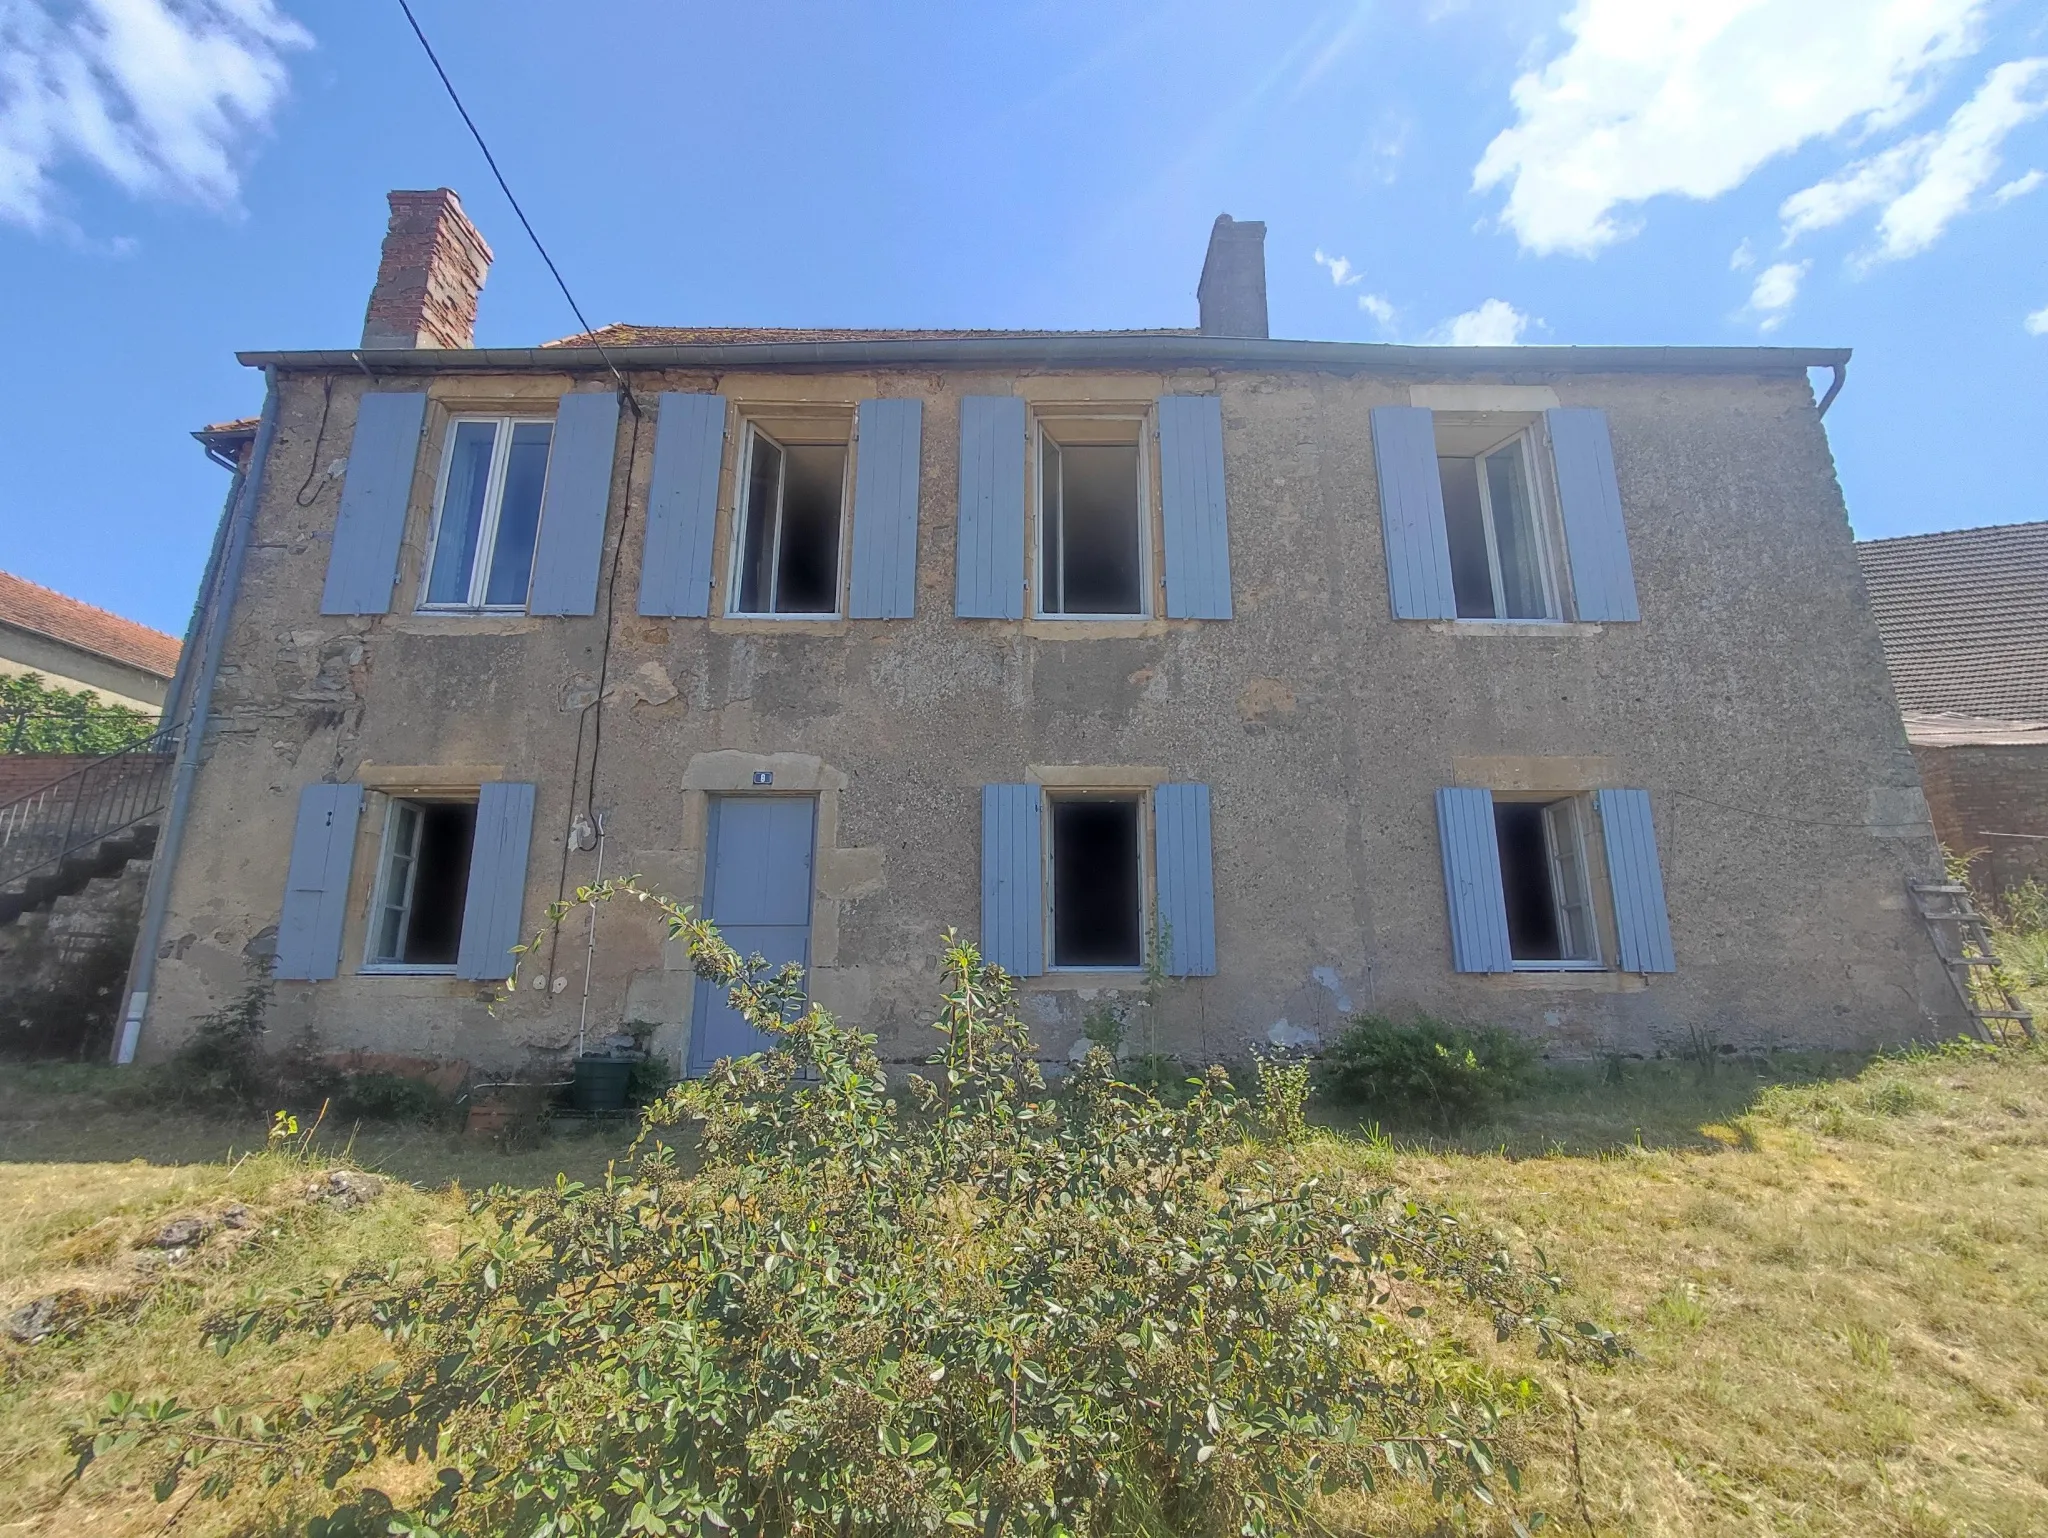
95,801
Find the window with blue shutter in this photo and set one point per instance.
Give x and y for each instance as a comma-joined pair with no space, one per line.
496,897
1192,507
989,556
682,506
316,883
1589,504
1637,879
1472,880
362,563
1012,878
1184,865
885,486
570,546
1412,513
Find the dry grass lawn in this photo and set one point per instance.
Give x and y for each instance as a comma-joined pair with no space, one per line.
1835,1277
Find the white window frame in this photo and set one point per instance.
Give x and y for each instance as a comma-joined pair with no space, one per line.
1147,524
741,512
380,897
1142,800
1542,517
1575,814
487,526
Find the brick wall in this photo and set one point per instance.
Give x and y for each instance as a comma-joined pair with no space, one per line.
1976,793
21,773
428,279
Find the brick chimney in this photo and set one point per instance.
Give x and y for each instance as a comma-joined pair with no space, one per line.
1233,287
432,269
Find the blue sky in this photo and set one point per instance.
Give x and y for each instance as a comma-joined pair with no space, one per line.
183,178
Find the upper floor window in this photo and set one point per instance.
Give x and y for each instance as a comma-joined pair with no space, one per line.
1497,521
790,535
487,513
1094,538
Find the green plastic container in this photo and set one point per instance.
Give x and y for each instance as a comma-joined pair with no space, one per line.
600,1083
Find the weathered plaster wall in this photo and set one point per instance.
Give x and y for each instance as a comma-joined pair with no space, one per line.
1751,702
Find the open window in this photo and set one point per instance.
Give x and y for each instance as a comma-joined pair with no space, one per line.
792,518
1098,883
487,514
422,882
1094,543
1498,517
1544,880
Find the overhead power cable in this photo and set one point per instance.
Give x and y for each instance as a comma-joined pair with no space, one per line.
492,161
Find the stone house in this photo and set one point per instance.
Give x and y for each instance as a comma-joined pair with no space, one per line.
1964,618
1529,685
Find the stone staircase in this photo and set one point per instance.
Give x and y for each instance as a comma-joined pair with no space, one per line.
86,824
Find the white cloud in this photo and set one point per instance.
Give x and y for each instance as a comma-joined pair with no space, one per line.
1742,258
1770,299
1924,182
1378,307
1689,97
1341,272
158,95
2037,323
2018,187
1495,323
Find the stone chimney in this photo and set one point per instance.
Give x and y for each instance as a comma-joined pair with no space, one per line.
432,269
1233,287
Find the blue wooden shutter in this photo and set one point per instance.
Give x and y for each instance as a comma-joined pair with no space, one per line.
1012,890
571,543
1589,501
1637,879
1195,521
989,571
497,881
884,581
682,506
362,563
1472,884
316,883
1185,869
1412,513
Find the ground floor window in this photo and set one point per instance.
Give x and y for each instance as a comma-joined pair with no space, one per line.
422,883
1543,877
1098,904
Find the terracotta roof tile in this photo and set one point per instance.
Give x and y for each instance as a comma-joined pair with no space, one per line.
621,334
1964,616
29,606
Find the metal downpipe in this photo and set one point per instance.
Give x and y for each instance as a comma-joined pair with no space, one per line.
244,497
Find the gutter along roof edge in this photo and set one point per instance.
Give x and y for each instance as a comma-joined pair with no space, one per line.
1067,352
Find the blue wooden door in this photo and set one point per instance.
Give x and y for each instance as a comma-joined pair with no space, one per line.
757,890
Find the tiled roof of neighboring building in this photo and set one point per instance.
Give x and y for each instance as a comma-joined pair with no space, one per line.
28,606
621,334
1964,616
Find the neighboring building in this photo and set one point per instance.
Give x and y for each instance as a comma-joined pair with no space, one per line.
1525,685
1964,617
76,646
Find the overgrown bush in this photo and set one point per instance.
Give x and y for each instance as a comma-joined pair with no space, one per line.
1425,1067
38,717
222,1061
385,1097
972,1307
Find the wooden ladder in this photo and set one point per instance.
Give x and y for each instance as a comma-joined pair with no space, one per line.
1962,939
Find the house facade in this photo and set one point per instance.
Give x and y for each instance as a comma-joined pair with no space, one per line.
1534,686
75,646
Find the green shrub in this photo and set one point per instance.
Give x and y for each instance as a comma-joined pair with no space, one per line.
386,1097
222,1062
1282,1098
975,1307
1426,1067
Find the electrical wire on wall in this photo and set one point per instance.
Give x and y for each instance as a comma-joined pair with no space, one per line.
586,724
